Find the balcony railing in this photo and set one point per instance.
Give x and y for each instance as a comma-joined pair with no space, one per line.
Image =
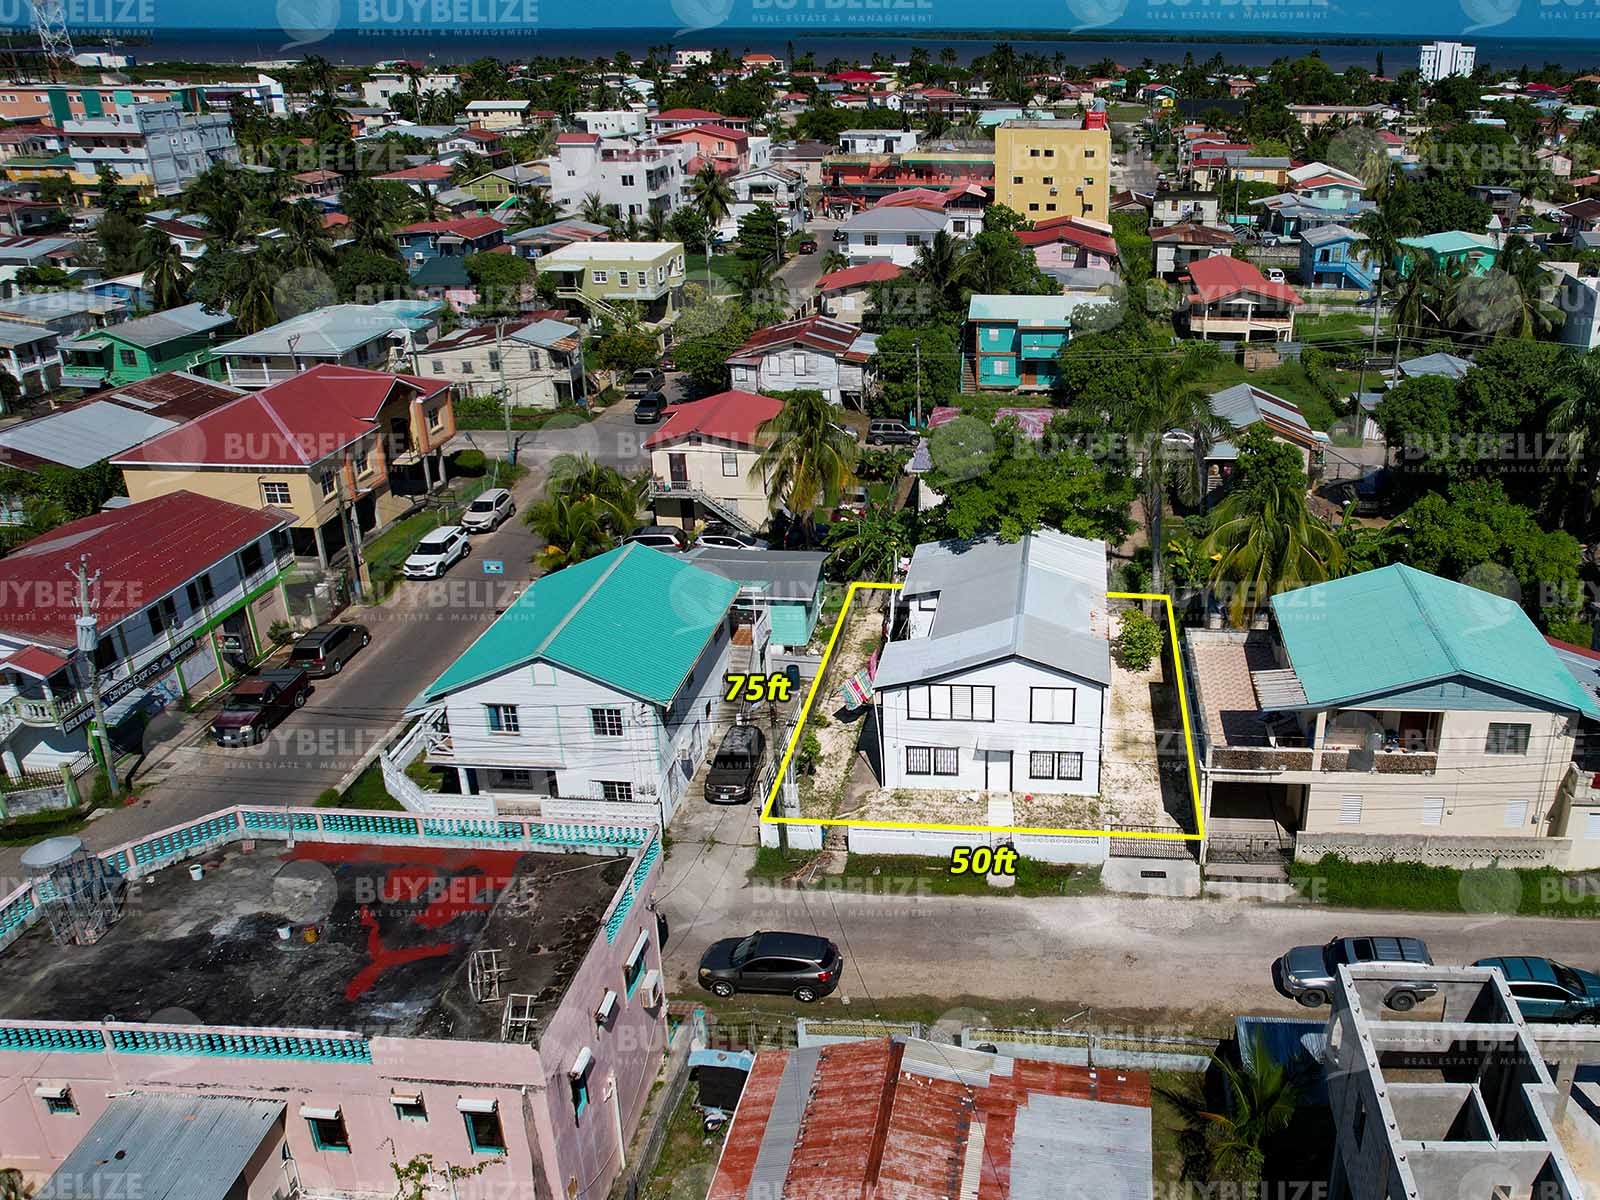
1384,762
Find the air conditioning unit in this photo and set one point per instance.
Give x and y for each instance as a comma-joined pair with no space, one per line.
653,991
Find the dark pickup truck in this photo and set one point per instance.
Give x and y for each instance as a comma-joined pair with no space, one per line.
258,703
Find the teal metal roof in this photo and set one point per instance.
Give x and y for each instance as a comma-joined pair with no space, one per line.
789,624
1030,310
633,618
1450,241
1397,627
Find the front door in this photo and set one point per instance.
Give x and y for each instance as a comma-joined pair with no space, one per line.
997,771
678,467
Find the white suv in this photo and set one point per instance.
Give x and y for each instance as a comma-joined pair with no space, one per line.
437,553
488,511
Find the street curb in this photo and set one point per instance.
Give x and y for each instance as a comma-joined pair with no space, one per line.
347,780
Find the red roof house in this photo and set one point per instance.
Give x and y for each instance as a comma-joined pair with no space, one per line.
728,417
1231,298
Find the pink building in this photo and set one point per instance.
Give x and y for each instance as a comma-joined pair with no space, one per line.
728,148
484,991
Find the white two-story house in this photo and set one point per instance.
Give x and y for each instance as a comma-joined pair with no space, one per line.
812,353
703,461
896,233
600,682
997,674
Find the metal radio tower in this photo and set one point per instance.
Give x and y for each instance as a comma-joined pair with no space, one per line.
55,40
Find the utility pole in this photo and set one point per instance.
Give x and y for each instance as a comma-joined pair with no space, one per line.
917,345
88,643
505,396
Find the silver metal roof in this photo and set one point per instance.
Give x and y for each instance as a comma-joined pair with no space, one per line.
1029,599
1278,689
780,574
13,334
165,1147
166,326
1106,1145
82,436
782,1133
1243,404
896,219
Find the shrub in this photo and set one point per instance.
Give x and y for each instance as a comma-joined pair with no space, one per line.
810,750
469,463
1138,641
280,632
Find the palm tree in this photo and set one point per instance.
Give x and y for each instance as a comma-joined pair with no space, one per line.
1262,1098
614,496
1575,431
754,282
305,242
941,267
1419,301
1265,540
253,307
834,260
806,459
372,209
1382,228
572,529
712,197
596,211
871,546
1532,289
1168,399
467,168
655,225
166,274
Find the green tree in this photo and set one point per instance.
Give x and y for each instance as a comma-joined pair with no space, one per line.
995,480
166,274
1230,1143
501,281
117,236
707,331
871,546
1138,640
761,236
625,353
940,269
366,276
998,264
1264,539
572,530
711,195
807,459
919,367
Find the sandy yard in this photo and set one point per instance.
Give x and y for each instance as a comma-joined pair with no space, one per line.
1143,761
836,726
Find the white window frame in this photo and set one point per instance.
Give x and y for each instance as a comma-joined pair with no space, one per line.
1494,738
1050,710
1516,814
730,464
601,723
1433,810
1349,810
276,491
502,719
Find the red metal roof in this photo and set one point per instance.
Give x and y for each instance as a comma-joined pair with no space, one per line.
710,129
577,139
1066,230
877,1123
698,115
849,277
142,551
1220,276
35,661
467,227
291,424
1191,233
732,417
427,173
917,197
818,333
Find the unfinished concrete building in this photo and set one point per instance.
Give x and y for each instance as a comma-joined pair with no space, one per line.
1456,1099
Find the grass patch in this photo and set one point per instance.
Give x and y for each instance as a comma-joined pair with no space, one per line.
913,875
35,827
724,271
485,412
688,1155
1346,327
1291,381
1412,887
366,792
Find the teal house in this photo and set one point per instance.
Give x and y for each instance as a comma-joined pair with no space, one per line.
179,339
785,585
1450,251
1011,342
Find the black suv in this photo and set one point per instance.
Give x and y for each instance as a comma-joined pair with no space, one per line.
736,768
324,650
785,964
889,433
649,409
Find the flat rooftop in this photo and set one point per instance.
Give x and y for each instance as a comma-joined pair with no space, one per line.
380,941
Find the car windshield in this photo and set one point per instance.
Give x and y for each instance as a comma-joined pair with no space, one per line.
744,949
432,546
482,506
1567,978
244,702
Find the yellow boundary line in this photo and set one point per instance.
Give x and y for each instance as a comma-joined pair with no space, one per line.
822,669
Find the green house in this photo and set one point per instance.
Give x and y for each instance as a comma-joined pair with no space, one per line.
179,339
1012,341
1454,249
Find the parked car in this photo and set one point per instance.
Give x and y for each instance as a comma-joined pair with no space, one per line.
1309,972
786,964
649,409
726,537
1275,275
323,651
661,537
437,553
1523,229
488,511
889,433
808,246
1546,990
645,379
735,770
257,703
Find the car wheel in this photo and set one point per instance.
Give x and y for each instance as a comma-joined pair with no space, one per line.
300,700
366,639
1313,998
1402,1001
805,994
338,665
722,988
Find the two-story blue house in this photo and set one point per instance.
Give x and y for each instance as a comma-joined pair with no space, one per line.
1335,256
455,238
1011,342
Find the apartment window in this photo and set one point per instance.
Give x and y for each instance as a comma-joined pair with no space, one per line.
1033,208
801,363
438,366
1048,179
325,482
616,790
950,702
606,722
1016,179
599,276
622,279
251,559
436,417
1052,705
533,360
1033,153
1049,208
466,366
409,1107
275,493
494,360
1516,814
328,1131
633,969
1088,181
1349,810
946,760
1088,151
661,274
162,616
128,358
1433,810
627,181
869,239
1055,764
1049,153
502,718
919,760
363,460
200,591
484,1134
1506,738
730,464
